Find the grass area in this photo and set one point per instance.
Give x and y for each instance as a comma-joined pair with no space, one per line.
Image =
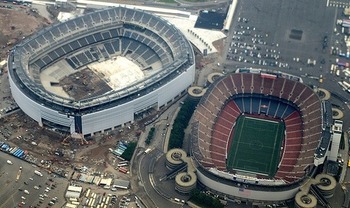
181,122
129,151
150,136
168,1
256,146
174,2
196,0
204,200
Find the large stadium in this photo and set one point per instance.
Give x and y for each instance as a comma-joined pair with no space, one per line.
100,70
258,135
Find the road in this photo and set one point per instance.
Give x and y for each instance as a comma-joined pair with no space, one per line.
145,169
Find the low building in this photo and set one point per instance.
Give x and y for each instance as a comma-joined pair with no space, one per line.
74,192
122,184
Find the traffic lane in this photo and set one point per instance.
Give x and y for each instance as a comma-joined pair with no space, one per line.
144,174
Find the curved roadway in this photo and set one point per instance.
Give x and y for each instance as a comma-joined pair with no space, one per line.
145,169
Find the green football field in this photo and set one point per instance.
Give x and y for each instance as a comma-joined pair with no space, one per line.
255,146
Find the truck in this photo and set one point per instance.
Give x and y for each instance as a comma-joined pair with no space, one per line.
38,173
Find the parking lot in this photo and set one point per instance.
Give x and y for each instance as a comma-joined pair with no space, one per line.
294,37
281,35
30,187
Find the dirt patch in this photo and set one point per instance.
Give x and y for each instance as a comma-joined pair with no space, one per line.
219,45
84,84
17,22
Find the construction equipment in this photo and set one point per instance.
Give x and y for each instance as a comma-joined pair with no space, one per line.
75,136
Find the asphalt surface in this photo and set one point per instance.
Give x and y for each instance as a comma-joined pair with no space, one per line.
12,191
145,171
272,34
282,36
267,28
262,35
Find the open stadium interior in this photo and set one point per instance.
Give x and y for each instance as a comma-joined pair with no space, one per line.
255,146
117,72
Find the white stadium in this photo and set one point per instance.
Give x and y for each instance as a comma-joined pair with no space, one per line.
98,71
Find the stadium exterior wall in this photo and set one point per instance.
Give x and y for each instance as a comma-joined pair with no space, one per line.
274,194
37,111
109,118
121,114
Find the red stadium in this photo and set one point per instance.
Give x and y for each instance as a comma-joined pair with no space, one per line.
223,163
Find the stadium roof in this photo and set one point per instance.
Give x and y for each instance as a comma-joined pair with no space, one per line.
303,127
184,21
46,47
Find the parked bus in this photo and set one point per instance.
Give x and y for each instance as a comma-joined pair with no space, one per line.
120,158
123,170
122,165
346,84
73,199
123,162
342,85
13,150
87,193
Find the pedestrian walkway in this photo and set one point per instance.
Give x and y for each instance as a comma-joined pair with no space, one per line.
345,156
167,136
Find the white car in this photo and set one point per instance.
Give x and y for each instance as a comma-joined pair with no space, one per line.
9,162
23,198
31,179
36,187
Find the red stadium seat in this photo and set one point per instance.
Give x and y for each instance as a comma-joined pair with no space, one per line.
217,115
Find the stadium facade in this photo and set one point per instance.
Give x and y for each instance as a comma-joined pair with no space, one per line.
142,37
265,95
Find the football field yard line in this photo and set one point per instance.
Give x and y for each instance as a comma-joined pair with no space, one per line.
274,148
256,147
237,145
